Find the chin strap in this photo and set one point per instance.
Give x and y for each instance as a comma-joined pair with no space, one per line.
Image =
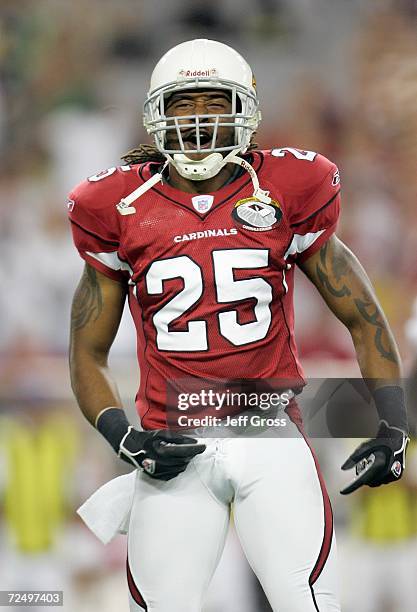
258,193
125,207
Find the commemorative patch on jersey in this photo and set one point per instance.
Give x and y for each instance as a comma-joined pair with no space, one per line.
256,216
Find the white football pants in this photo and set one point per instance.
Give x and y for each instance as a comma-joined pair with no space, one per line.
282,516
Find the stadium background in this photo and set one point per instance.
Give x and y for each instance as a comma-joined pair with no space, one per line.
333,76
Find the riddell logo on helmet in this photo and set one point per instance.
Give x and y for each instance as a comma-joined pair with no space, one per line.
210,72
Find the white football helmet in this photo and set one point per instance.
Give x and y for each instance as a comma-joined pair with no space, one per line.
202,64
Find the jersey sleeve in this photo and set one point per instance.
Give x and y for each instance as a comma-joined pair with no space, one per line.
95,229
315,209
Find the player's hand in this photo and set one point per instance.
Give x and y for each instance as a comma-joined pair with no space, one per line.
160,453
378,461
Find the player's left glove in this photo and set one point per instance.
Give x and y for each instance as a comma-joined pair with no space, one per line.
378,461
162,454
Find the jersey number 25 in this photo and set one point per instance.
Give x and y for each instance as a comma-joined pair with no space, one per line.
227,290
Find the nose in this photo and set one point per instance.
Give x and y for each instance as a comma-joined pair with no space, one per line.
201,107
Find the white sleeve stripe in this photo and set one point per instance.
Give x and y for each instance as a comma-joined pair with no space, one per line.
111,260
301,242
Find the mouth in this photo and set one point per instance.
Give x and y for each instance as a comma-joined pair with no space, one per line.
190,140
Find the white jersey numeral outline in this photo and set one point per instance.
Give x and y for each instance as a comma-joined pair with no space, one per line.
195,337
228,290
298,153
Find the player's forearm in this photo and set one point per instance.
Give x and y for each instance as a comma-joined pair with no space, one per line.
92,385
376,350
380,365
348,292
95,316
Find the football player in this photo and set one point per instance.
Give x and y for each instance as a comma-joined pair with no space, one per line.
201,233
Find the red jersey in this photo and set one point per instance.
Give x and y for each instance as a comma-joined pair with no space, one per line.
210,276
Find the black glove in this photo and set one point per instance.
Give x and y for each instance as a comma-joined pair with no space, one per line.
160,453
378,461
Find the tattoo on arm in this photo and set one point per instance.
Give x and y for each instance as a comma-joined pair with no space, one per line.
339,268
88,300
366,307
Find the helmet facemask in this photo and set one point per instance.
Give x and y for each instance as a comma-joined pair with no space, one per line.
243,119
244,116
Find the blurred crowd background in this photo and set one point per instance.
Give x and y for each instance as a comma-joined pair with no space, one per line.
334,76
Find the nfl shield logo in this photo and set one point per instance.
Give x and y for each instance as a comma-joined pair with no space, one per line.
202,203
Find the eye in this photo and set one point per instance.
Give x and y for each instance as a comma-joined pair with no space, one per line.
183,104
180,106
220,105
216,108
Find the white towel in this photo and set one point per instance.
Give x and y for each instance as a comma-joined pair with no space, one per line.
107,511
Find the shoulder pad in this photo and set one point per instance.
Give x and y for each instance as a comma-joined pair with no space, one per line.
299,170
308,184
102,190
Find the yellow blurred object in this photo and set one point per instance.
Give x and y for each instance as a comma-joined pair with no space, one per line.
39,464
387,514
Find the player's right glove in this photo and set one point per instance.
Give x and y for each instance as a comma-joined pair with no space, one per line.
378,461
161,453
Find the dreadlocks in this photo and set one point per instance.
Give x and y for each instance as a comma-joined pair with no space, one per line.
149,153
143,153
